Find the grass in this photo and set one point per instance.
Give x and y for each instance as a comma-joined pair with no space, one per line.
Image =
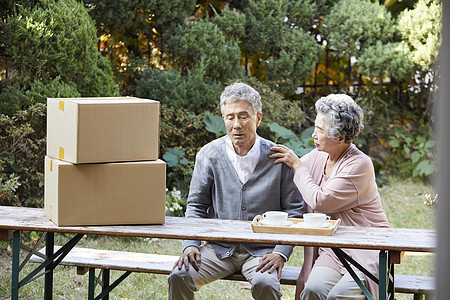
402,200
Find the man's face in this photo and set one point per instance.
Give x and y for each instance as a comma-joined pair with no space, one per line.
241,122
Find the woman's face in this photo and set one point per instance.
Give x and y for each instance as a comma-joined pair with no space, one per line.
320,135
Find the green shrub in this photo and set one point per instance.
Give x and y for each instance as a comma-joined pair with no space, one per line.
22,144
414,153
193,91
183,130
58,39
14,98
202,44
353,25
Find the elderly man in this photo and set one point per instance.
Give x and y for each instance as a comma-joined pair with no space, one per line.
234,178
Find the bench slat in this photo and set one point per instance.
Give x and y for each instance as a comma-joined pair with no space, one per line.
414,284
163,264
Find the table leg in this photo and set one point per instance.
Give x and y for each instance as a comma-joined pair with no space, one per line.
15,266
91,288
343,258
105,277
49,250
384,275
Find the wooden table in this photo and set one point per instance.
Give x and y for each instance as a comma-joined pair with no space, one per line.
391,242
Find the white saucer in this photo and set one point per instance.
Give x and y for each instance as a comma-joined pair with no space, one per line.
264,222
303,225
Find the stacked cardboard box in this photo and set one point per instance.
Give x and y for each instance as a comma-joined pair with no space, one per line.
102,165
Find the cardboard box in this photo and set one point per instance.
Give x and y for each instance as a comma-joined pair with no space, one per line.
105,194
93,130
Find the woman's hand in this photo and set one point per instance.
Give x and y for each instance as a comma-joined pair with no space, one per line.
287,156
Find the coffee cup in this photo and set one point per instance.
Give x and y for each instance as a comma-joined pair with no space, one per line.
275,217
315,219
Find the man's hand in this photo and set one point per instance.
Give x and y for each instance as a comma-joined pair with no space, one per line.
271,262
190,255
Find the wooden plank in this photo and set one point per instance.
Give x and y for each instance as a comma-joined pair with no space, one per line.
116,260
84,258
391,239
414,284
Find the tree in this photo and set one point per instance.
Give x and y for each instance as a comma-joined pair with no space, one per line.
353,25
276,45
133,33
204,42
421,28
58,39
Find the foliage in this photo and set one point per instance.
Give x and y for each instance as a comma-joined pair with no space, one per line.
301,145
183,130
281,132
382,60
22,144
414,153
203,43
131,18
279,50
302,13
192,91
232,23
264,24
353,25
14,98
133,33
293,64
421,28
58,39
215,125
175,157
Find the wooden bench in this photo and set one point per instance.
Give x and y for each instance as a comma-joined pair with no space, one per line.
90,259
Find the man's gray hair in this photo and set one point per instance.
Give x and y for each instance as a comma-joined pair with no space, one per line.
342,116
241,91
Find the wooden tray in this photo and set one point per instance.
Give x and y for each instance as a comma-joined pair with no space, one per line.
290,229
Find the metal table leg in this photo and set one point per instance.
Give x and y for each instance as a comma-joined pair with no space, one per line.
387,275
15,266
51,260
49,250
384,275
105,279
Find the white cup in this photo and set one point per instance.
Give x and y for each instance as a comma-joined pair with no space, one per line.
275,217
315,219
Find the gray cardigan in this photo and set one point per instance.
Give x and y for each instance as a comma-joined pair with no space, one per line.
217,192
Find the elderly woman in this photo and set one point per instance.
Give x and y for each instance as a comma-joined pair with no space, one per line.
338,179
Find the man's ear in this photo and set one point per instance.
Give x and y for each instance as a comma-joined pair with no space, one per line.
258,118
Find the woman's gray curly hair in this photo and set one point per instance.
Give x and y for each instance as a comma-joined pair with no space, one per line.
342,116
241,91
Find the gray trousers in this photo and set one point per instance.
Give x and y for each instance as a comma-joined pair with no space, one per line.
183,284
326,283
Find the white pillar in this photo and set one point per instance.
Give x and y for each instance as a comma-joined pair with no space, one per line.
443,179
